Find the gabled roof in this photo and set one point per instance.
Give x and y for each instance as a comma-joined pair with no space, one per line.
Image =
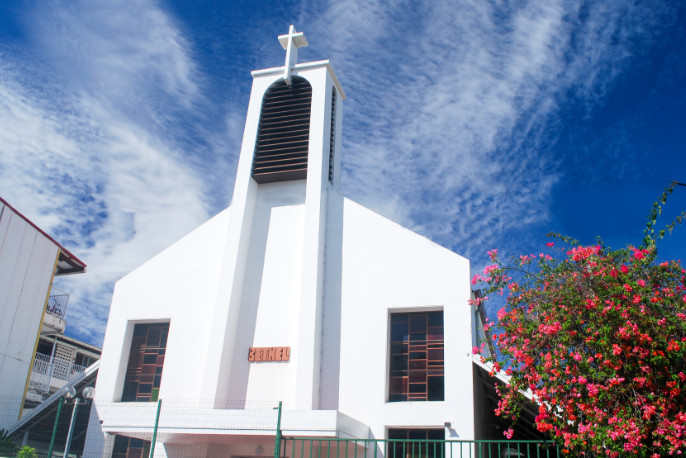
67,262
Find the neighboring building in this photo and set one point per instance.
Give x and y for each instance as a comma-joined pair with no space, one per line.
294,293
58,360
29,307
51,420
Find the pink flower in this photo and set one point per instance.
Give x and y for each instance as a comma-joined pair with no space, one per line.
580,253
508,433
648,411
592,390
493,254
489,269
550,329
544,427
640,254
549,244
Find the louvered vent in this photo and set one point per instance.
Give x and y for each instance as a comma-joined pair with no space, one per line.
283,133
332,140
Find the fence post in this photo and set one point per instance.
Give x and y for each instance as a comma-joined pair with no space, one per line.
154,431
70,434
277,440
54,428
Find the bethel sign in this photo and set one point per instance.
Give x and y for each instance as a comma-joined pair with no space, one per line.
260,354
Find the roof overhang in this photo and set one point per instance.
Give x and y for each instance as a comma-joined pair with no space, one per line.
67,263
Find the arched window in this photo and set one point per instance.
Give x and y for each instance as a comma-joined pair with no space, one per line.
283,133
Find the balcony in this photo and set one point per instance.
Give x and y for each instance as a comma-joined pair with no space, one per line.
52,373
57,303
55,311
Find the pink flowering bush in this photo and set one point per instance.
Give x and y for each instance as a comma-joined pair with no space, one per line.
598,338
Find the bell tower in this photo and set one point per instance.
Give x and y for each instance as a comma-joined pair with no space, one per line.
292,130
275,244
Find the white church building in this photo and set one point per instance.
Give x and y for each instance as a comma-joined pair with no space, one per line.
294,294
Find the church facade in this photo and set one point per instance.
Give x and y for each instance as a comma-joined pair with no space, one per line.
294,294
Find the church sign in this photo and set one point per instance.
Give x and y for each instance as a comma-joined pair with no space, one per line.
261,354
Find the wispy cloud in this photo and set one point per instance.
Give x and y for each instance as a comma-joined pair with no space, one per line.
97,162
113,141
453,108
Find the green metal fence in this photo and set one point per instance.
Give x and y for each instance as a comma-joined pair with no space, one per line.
298,447
229,429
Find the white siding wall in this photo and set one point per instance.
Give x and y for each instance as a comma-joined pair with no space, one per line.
27,260
271,293
179,286
295,264
387,268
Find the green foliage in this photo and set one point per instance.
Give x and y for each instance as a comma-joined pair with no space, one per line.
27,452
598,338
649,238
7,446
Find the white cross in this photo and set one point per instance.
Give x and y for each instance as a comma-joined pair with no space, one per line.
291,42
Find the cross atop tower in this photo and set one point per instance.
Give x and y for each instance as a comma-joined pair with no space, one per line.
291,42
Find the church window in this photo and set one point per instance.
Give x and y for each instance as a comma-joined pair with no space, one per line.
146,360
283,133
416,443
416,357
130,447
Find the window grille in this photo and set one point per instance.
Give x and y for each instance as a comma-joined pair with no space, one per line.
416,359
283,133
130,447
146,360
416,443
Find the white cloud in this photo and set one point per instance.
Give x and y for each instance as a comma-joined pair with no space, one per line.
126,56
448,127
96,163
452,106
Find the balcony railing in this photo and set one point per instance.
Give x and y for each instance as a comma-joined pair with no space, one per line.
45,369
57,303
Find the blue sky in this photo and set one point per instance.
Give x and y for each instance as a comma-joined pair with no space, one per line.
477,124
